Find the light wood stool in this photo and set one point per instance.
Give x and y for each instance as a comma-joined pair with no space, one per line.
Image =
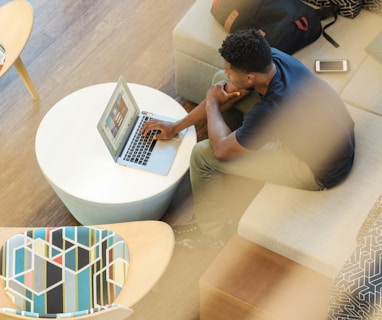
16,22
247,281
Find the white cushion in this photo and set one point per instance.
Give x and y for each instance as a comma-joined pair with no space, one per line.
353,36
199,35
365,88
318,229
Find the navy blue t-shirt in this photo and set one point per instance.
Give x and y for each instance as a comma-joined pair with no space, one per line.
308,116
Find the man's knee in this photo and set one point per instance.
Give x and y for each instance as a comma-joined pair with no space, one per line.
201,153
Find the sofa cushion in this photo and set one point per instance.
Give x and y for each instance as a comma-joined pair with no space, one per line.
366,96
375,48
318,228
365,27
370,70
199,35
196,40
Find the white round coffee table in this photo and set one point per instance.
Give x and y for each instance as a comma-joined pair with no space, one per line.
76,163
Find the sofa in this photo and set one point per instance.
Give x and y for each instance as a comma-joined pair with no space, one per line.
315,230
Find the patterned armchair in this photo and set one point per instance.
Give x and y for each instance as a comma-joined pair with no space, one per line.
64,272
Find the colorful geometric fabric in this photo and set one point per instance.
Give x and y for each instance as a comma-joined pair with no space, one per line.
62,315
64,269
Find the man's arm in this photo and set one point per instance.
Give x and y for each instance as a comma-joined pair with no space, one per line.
223,141
168,130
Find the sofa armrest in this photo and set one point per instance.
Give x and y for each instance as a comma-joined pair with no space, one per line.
196,40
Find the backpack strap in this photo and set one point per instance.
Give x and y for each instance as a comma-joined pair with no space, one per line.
325,13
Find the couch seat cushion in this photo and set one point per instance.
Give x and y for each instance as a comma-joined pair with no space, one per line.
319,229
365,88
199,35
353,36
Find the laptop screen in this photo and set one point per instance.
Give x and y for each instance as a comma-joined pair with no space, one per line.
118,118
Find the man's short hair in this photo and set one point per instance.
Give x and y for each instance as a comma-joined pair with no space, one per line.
247,50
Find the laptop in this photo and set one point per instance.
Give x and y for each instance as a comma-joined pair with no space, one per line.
120,127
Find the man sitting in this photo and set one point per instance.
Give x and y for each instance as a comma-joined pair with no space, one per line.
272,120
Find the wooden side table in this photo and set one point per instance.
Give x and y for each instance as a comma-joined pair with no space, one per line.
16,22
247,281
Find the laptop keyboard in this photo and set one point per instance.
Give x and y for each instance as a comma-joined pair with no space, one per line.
141,147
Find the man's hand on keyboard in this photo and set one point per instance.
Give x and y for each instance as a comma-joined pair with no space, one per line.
166,129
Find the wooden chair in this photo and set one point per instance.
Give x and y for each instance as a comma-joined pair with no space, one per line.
16,22
138,253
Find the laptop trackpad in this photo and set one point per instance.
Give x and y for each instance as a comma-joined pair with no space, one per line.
161,160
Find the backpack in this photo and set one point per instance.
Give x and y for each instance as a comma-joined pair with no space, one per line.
288,25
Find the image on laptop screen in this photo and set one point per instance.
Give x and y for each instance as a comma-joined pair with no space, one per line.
118,118
115,118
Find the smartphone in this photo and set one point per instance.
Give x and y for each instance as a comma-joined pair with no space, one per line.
333,65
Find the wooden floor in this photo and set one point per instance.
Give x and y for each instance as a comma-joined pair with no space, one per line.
77,43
